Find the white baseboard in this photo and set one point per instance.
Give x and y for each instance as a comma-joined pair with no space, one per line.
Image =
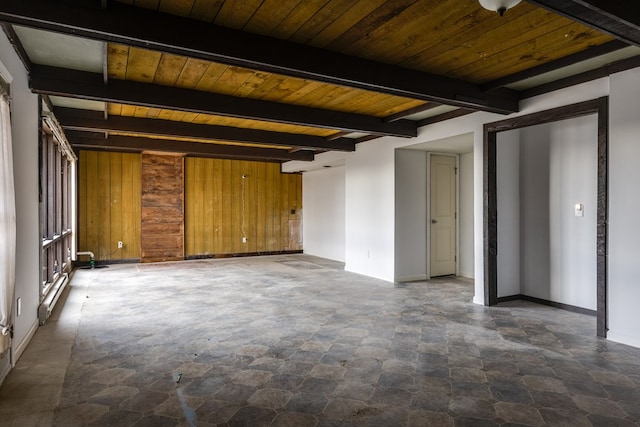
633,341
20,348
416,278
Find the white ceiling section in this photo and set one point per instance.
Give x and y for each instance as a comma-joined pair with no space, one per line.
84,104
578,68
59,50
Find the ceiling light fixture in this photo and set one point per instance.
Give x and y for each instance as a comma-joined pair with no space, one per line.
499,6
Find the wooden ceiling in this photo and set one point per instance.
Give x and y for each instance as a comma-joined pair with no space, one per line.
295,77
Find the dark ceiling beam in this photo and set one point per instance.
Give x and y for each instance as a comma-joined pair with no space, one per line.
148,29
84,85
620,19
589,53
88,140
17,46
74,119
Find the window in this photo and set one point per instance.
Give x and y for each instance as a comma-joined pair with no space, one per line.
56,180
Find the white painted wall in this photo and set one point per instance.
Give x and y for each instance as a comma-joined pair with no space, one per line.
465,216
411,215
624,208
24,125
508,205
323,201
370,211
370,194
559,169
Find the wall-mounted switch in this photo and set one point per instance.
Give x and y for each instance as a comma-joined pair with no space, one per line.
579,209
244,240
19,306
120,245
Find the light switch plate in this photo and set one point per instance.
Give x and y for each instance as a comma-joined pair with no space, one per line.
579,209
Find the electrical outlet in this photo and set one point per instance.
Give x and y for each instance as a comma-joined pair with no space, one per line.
120,245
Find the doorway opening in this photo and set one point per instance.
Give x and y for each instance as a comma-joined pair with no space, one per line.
414,210
597,107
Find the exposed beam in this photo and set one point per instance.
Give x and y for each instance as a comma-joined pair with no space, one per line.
89,140
445,116
589,53
621,19
148,29
74,119
17,46
84,85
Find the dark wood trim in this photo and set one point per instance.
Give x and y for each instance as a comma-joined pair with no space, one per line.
241,254
589,53
490,219
17,46
616,18
602,216
597,106
84,140
445,116
135,26
93,121
566,307
79,84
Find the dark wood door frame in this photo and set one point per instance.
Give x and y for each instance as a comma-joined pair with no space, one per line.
600,107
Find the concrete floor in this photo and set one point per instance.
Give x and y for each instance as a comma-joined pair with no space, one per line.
296,341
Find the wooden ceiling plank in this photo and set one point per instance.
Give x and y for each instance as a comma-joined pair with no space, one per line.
142,64
73,119
210,76
618,19
297,18
473,28
413,23
115,109
169,69
320,20
255,80
359,10
117,60
479,41
370,23
166,33
263,90
78,84
561,42
132,143
206,10
235,14
192,73
269,16
231,79
176,7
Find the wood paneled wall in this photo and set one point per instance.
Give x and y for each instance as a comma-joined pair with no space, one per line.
162,229
119,200
109,204
222,207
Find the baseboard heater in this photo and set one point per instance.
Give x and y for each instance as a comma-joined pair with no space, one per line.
46,307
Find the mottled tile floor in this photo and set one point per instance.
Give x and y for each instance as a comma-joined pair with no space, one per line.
296,341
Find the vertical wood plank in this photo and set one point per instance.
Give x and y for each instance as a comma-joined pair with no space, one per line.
115,205
261,211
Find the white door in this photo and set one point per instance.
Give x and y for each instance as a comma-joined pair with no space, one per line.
443,215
